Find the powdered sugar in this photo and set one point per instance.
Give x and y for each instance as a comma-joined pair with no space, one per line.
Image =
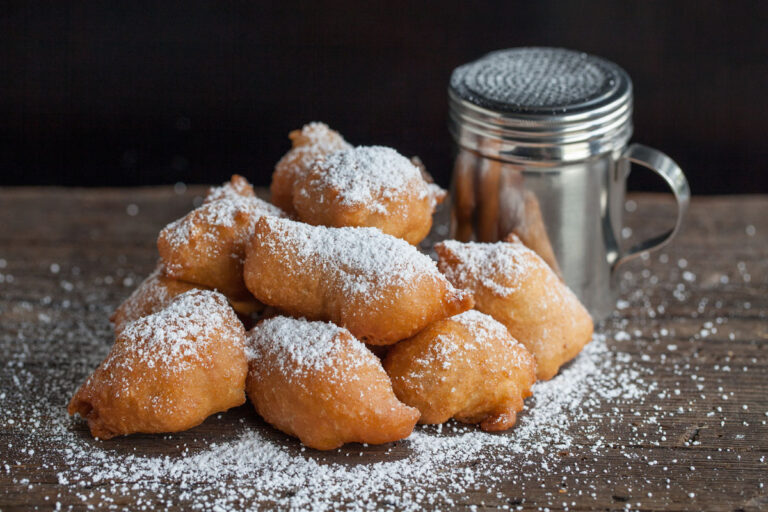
236,212
361,260
484,332
233,189
305,345
482,326
313,142
367,176
174,337
493,265
150,291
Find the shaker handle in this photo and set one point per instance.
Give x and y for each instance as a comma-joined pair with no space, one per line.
665,167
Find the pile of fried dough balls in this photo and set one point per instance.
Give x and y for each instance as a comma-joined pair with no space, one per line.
355,335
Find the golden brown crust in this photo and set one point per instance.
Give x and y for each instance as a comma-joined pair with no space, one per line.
168,371
207,246
466,367
313,141
315,381
379,287
516,287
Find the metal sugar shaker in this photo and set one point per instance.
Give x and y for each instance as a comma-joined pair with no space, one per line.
542,151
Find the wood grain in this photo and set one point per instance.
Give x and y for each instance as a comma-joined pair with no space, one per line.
68,249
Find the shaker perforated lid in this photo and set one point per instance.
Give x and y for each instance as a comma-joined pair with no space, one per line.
540,104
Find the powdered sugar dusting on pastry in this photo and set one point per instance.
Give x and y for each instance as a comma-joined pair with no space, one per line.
361,259
483,329
175,336
481,326
366,175
222,213
314,141
490,264
233,189
305,345
148,292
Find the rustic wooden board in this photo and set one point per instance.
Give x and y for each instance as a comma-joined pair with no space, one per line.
69,256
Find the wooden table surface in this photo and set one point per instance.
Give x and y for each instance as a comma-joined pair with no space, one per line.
693,317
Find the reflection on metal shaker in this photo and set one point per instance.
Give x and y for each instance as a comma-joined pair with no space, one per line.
491,202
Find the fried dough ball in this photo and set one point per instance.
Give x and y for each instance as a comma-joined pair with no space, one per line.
157,290
314,141
466,367
379,287
315,381
516,287
368,186
168,371
236,187
207,246
152,295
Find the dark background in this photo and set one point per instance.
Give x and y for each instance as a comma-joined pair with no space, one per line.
141,93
